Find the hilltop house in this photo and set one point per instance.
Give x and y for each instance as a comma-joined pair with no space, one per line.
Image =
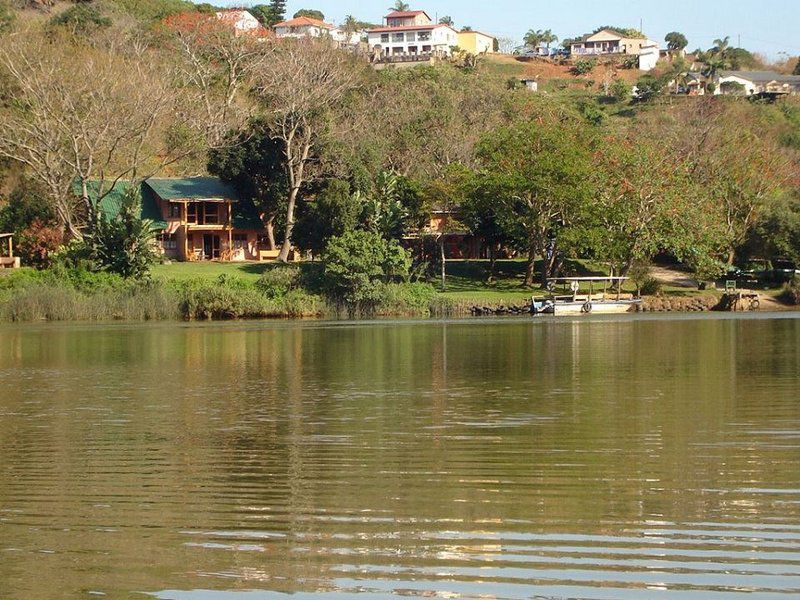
412,35
609,41
196,218
754,83
301,27
476,42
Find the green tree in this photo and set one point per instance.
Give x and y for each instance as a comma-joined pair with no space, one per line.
270,14
539,172
310,13
331,214
125,244
533,38
81,19
676,41
400,6
447,20
648,87
356,263
27,203
253,162
796,68
621,90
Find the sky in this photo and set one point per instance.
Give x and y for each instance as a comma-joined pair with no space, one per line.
769,27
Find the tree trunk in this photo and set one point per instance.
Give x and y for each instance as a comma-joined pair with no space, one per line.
443,258
287,240
270,227
731,256
530,269
492,262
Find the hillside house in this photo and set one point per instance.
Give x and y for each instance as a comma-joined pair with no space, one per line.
609,42
755,83
476,42
195,218
411,35
302,27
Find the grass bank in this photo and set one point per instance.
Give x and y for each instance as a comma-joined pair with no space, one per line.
201,291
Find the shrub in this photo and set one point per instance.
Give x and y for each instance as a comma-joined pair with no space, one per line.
356,261
791,292
126,244
583,66
648,87
81,19
650,287
278,282
621,90
38,243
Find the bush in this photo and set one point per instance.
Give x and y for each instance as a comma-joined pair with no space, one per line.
81,19
356,261
126,244
650,287
648,87
38,243
584,66
621,90
278,282
791,292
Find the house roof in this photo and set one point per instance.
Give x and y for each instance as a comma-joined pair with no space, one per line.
192,188
761,76
305,22
111,203
430,27
476,32
400,14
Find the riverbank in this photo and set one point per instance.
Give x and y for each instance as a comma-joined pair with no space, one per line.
220,291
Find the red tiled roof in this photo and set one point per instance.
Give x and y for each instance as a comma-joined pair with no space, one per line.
430,27
399,14
305,22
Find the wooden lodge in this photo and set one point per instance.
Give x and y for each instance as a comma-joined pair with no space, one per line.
197,219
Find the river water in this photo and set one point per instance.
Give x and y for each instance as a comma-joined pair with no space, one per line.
596,459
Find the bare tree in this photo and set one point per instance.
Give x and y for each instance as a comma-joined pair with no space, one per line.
215,64
302,88
81,113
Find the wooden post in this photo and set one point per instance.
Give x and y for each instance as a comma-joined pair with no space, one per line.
10,247
185,221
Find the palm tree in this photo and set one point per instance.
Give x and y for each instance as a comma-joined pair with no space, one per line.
400,6
350,24
446,20
548,37
533,38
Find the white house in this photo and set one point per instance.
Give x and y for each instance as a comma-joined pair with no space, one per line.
412,34
757,82
301,27
242,22
608,41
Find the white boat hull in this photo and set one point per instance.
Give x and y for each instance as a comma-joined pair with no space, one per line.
600,307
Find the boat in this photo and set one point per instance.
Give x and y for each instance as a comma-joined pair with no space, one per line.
577,303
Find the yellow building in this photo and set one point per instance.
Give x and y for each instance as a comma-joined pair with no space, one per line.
476,42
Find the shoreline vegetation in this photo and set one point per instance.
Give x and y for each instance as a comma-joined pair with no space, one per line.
216,291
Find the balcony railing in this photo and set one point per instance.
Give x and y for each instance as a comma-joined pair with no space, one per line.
596,51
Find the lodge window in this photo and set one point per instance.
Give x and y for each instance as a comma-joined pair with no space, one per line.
167,241
240,241
397,37
384,37
203,213
174,210
410,37
424,36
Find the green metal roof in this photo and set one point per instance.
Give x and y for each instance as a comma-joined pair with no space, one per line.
192,188
110,205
